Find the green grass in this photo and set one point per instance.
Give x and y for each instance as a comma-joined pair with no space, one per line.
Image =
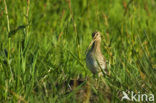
43,44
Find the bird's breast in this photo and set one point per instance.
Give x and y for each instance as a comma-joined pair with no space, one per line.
93,63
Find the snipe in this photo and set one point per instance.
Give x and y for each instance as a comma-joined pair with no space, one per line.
95,61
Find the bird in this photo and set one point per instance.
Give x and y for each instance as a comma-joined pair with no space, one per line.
95,60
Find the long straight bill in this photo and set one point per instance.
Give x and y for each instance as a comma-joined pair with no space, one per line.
89,45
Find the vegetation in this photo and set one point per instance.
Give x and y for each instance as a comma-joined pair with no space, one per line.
43,44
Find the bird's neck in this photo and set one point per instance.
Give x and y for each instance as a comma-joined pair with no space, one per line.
96,46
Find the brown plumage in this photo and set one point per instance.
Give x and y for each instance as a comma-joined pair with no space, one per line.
95,61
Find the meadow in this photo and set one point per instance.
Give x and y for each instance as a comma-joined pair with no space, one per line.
43,44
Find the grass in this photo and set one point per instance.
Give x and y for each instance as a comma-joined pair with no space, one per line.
43,43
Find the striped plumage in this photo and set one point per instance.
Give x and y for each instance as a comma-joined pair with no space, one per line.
95,61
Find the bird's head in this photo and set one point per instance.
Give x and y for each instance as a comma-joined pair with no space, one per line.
96,36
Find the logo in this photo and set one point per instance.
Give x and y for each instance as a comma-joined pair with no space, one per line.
137,97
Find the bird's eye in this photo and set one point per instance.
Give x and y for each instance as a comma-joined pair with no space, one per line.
94,34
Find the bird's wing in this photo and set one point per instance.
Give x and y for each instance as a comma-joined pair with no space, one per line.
102,63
